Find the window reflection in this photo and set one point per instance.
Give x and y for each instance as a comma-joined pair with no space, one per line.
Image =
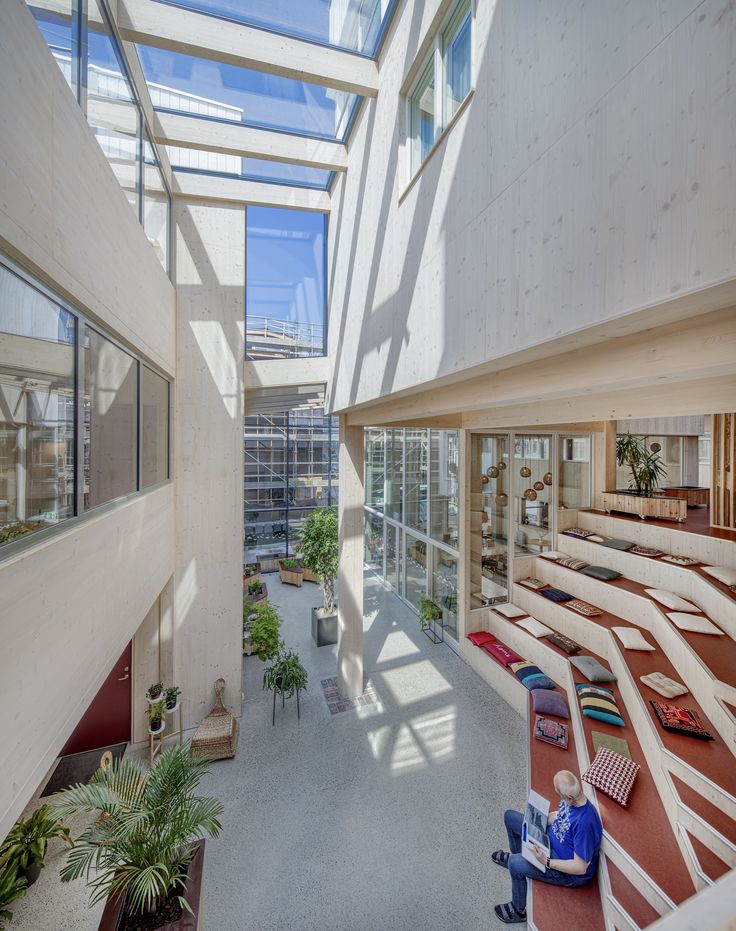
57,20
154,428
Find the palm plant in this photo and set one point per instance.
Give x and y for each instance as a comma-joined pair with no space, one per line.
319,551
144,837
646,467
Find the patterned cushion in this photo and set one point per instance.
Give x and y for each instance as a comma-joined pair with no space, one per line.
601,572
480,637
612,774
599,703
505,655
694,623
662,684
532,583
582,607
547,702
592,669
535,627
571,563
551,732
645,551
564,643
632,638
615,544
555,594
531,676
671,600
510,610
680,720
578,532
680,560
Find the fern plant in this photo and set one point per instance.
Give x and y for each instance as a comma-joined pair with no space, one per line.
144,837
286,675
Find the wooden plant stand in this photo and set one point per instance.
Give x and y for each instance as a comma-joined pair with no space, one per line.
156,741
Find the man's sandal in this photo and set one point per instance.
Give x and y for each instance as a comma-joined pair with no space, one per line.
501,858
509,914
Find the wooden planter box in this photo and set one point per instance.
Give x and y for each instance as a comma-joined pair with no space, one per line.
695,497
659,507
310,575
192,893
252,599
293,576
269,562
251,578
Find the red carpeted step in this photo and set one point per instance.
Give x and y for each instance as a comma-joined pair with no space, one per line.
710,864
709,812
630,899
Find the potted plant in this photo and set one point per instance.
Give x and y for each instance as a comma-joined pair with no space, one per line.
156,720
429,613
264,625
24,848
646,466
172,698
318,545
12,887
155,693
257,591
284,677
290,572
251,571
144,850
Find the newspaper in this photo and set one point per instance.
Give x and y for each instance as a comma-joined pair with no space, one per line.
534,829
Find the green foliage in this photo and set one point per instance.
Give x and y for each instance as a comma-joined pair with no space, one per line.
26,843
286,674
172,694
289,563
255,587
429,611
143,838
156,690
12,887
155,714
319,550
647,468
250,569
265,625
19,529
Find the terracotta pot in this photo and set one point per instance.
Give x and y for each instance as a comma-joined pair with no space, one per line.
192,893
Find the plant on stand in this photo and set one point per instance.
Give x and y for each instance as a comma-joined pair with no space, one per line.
646,466
24,849
156,721
142,849
285,676
155,693
429,613
172,698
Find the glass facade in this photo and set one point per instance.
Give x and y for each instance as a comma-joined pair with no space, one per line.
285,295
490,507
574,490
290,469
423,128
59,25
82,421
533,478
415,479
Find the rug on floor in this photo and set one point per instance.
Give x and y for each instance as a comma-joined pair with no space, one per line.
79,767
336,703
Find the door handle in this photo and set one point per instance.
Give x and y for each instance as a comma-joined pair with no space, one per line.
126,676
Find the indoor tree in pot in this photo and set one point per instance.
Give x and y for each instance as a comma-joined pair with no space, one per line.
24,849
646,465
144,850
319,549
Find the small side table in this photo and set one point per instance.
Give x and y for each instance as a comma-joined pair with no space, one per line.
156,741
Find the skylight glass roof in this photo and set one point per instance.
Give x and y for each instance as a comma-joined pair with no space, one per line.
355,25
205,88
252,169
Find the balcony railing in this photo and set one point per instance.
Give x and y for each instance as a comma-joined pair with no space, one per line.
270,338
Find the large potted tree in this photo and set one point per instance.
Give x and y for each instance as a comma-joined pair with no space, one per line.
143,853
645,464
318,545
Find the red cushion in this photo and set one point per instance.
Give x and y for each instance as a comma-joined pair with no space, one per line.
480,637
505,655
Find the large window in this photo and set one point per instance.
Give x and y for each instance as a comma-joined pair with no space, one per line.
59,25
415,480
72,429
285,283
575,472
375,468
156,204
423,123
443,475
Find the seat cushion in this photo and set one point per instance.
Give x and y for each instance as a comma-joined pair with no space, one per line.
599,703
671,600
680,560
617,744
548,702
564,643
663,685
480,637
592,669
530,582
680,720
615,544
645,551
536,628
505,655
722,573
531,676
632,638
551,554
580,532
556,594
551,732
694,623
612,774
571,563
582,607
510,610
601,572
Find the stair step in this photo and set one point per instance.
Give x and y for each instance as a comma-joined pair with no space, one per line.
629,898
710,813
710,864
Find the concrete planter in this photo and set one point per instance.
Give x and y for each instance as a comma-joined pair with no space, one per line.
293,576
324,627
110,920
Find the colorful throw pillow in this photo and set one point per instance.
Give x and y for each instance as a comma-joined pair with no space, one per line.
598,703
551,554
645,551
510,611
547,702
722,573
680,560
662,684
564,643
615,544
531,676
532,583
680,720
480,637
556,594
582,607
535,627
601,572
569,562
694,623
612,774
505,655
580,532
592,669
551,732
617,744
632,638
671,600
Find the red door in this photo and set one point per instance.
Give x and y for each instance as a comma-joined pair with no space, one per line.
107,720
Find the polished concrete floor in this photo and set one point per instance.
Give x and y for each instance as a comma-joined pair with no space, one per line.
373,819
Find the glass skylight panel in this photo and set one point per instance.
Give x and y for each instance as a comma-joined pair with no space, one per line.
252,169
355,25
57,21
187,84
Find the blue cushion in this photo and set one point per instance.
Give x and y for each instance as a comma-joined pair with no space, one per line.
531,676
555,594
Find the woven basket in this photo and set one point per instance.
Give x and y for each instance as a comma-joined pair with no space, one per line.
217,735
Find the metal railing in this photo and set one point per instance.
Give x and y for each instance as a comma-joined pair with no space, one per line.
271,338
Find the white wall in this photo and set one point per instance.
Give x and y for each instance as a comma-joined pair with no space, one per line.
592,174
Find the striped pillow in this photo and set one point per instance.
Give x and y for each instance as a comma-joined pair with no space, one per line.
599,703
571,563
531,676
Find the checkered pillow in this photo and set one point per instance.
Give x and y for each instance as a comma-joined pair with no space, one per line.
612,774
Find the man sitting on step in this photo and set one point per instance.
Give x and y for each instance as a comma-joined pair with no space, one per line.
574,832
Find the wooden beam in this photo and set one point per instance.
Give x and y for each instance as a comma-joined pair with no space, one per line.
191,132
193,186
178,30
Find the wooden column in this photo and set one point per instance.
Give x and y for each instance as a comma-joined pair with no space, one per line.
350,572
723,462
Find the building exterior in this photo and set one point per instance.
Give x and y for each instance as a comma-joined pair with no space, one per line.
506,237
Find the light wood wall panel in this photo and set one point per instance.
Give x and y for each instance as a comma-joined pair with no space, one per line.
723,460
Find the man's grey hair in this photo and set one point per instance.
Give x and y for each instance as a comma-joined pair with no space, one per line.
567,784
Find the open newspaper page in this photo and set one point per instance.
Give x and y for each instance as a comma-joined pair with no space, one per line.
534,829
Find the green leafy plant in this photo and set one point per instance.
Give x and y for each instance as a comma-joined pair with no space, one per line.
265,625
286,674
250,569
19,529
429,612
155,715
12,888
172,696
26,843
255,587
144,837
289,563
155,691
319,550
646,467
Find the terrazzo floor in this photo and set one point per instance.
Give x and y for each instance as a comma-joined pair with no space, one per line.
377,818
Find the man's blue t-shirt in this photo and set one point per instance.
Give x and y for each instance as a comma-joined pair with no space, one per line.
577,830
